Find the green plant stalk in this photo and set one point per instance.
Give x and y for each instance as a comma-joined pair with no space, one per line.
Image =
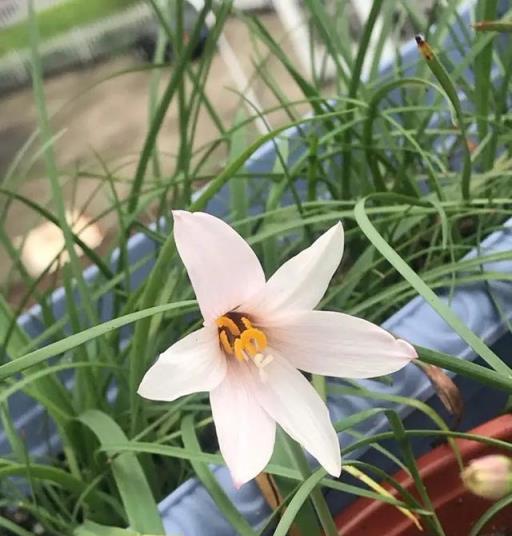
331,40
305,491
301,463
139,355
138,500
312,166
59,347
493,510
435,302
47,215
384,436
405,446
199,79
51,167
465,368
203,473
285,471
372,114
485,9
85,387
14,528
493,26
183,112
355,81
418,405
159,114
439,71
238,194
306,521
158,58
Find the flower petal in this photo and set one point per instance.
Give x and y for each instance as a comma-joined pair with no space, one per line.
222,267
337,344
291,400
245,432
193,364
300,283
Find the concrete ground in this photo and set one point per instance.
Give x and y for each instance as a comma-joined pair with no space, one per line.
111,120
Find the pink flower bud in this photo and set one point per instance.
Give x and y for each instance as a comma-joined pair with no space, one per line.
489,477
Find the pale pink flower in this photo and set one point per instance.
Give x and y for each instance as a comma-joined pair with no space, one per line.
489,476
256,335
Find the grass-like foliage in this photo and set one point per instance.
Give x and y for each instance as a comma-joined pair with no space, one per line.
414,159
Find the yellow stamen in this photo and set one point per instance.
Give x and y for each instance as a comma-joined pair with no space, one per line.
247,342
234,339
239,350
223,338
257,336
226,322
246,322
251,341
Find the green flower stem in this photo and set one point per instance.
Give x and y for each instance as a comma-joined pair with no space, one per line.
301,463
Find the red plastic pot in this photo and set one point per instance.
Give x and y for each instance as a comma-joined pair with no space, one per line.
456,508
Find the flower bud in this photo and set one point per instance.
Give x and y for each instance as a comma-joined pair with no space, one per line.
489,476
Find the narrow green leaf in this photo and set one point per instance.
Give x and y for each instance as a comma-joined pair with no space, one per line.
486,517
426,292
465,368
493,26
59,347
139,503
89,528
298,500
300,461
443,77
203,473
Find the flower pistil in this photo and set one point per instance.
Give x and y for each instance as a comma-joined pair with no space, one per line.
238,337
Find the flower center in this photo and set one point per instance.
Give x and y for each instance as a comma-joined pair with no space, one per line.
238,337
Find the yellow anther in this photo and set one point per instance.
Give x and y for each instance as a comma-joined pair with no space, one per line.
223,338
246,322
257,336
251,342
247,343
226,322
239,350
238,336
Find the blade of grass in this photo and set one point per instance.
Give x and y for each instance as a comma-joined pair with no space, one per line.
443,77
139,504
306,489
345,186
372,484
430,297
42,354
487,516
159,114
404,444
300,461
203,473
51,167
180,453
485,10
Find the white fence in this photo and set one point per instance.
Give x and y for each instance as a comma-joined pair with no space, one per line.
13,11
79,45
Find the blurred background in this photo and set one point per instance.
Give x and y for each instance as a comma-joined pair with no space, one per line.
105,63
